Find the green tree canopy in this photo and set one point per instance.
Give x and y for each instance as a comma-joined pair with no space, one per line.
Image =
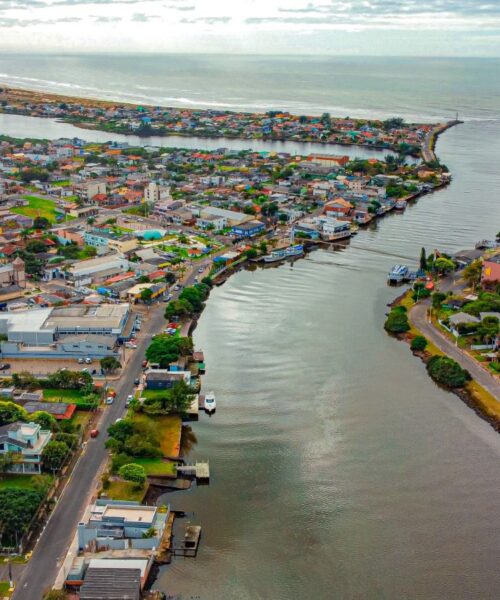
134,473
109,364
10,413
53,455
447,372
45,420
397,322
17,508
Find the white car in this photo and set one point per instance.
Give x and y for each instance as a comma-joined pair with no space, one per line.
110,400
201,269
88,360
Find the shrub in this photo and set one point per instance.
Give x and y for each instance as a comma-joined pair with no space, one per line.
418,343
447,372
397,322
134,473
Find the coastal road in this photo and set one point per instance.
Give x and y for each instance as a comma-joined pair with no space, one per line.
418,317
50,551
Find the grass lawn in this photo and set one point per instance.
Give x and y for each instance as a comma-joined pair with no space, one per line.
21,481
4,589
39,207
156,466
80,418
169,431
124,490
490,404
71,396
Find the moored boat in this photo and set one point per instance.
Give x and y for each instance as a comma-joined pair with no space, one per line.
210,404
401,205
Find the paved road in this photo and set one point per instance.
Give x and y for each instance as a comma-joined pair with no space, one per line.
41,571
487,380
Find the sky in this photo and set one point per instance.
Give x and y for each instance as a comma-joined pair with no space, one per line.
337,27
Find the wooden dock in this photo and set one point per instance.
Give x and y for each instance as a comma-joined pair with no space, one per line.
199,470
189,546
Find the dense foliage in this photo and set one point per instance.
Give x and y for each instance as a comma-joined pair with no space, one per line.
397,321
165,349
10,413
134,473
175,400
17,508
447,372
418,343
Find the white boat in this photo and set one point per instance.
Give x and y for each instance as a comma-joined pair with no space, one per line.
401,205
210,404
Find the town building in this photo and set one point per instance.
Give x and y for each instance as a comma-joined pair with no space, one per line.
27,441
12,280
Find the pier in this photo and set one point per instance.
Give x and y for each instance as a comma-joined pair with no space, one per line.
199,470
189,546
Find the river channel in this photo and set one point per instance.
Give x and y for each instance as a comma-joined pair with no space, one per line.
22,126
339,469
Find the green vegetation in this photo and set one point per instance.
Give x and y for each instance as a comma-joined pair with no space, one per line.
40,207
109,364
447,372
173,401
397,320
54,455
133,472
418,343
124,490
25,482
165,349
156,466
10,413
17,508
472,273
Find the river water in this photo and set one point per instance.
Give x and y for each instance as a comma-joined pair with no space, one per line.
22,126
339,469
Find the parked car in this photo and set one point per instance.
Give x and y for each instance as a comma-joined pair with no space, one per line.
94,433
137,381
88,360
201,269
80,361
4,366
110,400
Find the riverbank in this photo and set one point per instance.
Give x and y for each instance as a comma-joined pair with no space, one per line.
275,126
479,394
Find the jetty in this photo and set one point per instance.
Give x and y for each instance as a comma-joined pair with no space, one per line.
189,546
198,470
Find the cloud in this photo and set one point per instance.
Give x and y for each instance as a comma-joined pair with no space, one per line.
144,18
208,20
105,19
12,22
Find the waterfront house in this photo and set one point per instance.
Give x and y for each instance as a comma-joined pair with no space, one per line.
27,441
490,276
163,379
247,230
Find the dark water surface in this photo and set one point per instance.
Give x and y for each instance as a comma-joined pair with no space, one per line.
339,470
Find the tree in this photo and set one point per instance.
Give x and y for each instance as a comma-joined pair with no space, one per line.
397,322
133,472
170,277
263,247
56,595
25,380
443,265
488,328
179,308
146,295
251,253
181,396
418,343
437,299
35,246
10,413
423,260
6,461
69,380
447,372
472,273
53,455
44,419
17,508
149,533
41,223
109,364
165,349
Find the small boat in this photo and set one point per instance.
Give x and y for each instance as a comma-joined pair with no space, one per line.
210,404
398,273
487,245
284,253
401,205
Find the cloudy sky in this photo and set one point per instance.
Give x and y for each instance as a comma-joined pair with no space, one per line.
393,27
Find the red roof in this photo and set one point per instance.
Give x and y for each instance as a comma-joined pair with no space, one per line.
70,411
